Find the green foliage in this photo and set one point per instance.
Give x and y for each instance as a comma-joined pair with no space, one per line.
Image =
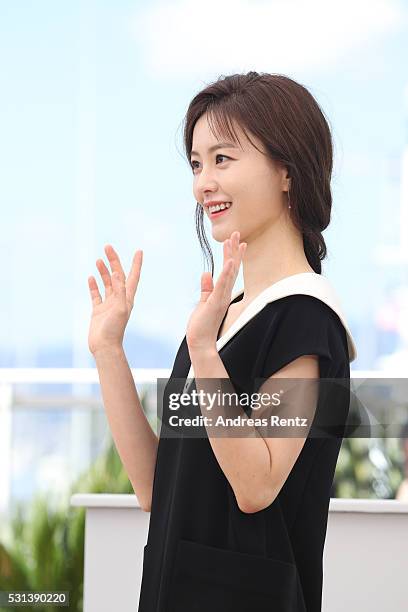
369,468
43,549
46,552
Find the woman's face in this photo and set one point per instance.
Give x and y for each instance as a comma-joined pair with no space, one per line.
239,174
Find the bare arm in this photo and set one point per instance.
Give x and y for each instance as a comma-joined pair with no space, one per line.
257,466
134,438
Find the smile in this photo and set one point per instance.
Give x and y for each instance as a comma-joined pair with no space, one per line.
219,209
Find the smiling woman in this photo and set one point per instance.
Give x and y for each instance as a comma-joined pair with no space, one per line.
272,128
238,523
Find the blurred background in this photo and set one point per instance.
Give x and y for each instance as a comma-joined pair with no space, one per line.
93,95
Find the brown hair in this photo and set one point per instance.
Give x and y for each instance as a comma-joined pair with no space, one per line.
294,131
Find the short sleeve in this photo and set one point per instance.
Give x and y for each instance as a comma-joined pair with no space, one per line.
304,325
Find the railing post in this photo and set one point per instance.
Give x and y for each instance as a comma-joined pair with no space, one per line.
6,415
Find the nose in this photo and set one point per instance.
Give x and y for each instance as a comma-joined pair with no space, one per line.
205,182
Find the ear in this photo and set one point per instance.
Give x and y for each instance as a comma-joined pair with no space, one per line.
286,180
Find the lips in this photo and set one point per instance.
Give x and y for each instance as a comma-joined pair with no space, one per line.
218,213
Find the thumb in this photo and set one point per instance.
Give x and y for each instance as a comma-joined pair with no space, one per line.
207,286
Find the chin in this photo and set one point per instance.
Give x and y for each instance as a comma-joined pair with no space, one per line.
220,234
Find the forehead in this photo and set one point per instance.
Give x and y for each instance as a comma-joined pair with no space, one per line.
208,131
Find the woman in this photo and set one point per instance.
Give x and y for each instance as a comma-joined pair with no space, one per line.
238,522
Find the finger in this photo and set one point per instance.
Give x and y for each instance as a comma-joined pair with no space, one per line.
233,250
229,248
114,261
118,285
228,280
242,250
105,275
94,291
236,256
223,286
235,253
231,275
134,276
226,251
207,286
238,250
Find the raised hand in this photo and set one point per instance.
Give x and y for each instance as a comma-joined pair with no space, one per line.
205,321
110,316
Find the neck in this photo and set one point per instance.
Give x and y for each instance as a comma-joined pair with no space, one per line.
271,255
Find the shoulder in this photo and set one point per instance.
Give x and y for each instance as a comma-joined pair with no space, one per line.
301,302
303,311
299,325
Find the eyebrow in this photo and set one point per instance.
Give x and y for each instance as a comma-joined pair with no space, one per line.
220,145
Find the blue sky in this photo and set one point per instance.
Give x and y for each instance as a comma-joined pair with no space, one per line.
92,99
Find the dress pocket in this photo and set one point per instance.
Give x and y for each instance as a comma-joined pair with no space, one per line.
209,579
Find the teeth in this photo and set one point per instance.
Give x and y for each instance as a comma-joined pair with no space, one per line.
218,207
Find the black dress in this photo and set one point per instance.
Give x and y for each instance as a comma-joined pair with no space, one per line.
203,554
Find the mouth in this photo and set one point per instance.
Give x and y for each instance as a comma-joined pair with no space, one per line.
217,211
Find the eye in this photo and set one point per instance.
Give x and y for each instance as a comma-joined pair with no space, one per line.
221,155
193,161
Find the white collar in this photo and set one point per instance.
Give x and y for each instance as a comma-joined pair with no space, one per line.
306,283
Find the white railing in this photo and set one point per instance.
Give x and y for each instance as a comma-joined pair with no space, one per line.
82,380
364,545
365,560
12,398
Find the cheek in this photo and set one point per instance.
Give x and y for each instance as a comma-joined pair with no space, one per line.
195,193
266,199
257,209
